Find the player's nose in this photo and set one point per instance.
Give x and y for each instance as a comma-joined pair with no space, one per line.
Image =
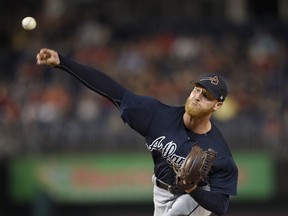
197,96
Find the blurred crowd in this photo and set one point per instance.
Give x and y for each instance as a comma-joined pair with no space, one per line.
45,110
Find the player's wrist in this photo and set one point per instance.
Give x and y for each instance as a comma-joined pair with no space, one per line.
191,189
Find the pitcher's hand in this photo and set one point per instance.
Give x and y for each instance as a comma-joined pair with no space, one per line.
48,57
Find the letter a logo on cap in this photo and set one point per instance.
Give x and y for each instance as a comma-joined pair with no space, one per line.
214,80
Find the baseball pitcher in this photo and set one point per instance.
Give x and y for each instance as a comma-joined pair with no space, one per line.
194,170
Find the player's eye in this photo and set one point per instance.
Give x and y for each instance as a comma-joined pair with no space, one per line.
203,92
207,96
197,90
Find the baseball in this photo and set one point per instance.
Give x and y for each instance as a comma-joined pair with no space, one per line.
29,23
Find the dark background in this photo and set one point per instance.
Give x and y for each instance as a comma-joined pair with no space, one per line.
258,82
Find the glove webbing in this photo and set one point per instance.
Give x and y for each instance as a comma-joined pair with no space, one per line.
210,156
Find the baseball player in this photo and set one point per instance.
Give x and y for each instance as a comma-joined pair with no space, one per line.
169,132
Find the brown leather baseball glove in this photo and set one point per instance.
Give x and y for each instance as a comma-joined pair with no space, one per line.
195,168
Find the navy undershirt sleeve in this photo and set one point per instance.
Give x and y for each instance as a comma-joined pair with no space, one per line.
94,79
212,201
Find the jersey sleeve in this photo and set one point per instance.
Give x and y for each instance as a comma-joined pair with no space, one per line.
225,179
94,79
138,111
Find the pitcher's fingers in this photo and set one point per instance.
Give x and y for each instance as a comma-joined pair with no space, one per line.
41,59
44,50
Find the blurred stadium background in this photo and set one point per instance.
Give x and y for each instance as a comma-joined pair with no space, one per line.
60,142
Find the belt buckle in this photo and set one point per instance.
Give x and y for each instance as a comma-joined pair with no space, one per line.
170,189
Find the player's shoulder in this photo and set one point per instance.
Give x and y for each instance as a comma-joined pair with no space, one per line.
219,142
130,98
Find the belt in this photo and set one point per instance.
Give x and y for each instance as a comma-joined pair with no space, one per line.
170,188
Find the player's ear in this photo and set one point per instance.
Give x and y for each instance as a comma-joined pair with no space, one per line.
218,105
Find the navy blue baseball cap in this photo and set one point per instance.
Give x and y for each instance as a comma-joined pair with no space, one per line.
215,84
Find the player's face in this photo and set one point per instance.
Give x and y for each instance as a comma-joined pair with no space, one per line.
200,103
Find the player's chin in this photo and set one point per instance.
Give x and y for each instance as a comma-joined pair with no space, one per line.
192,111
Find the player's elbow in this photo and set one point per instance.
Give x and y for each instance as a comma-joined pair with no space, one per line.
222,212
224,208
